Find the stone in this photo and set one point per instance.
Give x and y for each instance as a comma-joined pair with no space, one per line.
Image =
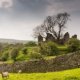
50,37
40,39
66,37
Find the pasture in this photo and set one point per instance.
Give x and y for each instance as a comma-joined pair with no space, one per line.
73,74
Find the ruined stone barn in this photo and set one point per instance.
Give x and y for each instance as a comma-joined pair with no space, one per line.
65,38
50,37
40,39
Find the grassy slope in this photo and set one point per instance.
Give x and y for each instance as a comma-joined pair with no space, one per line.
63,75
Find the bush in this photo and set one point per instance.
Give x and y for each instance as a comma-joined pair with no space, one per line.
25,50
5,56
14,54
49,48
34,55
20,57
73,45
31,44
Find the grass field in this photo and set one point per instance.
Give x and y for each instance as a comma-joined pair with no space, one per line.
73,74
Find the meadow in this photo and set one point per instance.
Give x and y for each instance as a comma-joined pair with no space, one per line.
73,74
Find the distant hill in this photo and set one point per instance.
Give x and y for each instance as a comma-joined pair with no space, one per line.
12,41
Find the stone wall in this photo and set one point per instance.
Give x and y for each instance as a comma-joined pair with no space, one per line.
64,62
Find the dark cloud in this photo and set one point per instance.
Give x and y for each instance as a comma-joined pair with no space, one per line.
42,7
65,1
30,6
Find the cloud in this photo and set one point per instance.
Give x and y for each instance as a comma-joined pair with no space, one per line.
56,6
6,3
46,7
25,9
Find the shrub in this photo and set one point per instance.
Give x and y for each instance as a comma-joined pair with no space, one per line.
34,55
20,57
31,44
49,48
73,45
25,50
5,56
14,54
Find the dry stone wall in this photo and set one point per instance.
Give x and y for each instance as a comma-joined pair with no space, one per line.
68,61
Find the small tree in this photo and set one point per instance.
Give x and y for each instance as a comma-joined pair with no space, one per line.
5,56
14,54
49,48
73,45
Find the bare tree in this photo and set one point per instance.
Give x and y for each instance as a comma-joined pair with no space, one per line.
61,20
58,21
51,23
38,31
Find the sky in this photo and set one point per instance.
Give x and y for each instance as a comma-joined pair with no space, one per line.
18,18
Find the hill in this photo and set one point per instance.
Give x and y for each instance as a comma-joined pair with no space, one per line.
12,41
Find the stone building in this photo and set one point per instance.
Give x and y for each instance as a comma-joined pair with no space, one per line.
50,37
65,38
40,39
